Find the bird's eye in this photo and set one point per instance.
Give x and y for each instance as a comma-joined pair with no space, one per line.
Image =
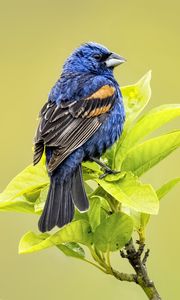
97,56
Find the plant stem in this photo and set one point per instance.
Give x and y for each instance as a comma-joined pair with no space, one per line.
97,258
148,287
95,265
137,258
139,265
108,261
124,276
134,257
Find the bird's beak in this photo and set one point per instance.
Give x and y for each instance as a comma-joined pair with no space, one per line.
114,60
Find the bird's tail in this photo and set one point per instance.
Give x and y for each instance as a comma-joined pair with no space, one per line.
62,196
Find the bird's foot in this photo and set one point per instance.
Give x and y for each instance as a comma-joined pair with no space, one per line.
107,172
105,167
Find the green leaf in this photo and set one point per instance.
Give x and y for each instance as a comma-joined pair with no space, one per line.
29,179
136,96
72,250
91,170
167,187
113,233
91,166
39,204
115,177
24,189
81,215
144,220
94,211
151,121
77,231
132,193
20,204
108,156
88,188
140,220
30,240
144,156
33,195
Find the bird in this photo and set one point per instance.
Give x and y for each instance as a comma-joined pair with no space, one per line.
83,116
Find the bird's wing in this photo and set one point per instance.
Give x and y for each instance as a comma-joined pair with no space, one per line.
67,126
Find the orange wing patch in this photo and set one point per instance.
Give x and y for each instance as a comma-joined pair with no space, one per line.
103,93
99,111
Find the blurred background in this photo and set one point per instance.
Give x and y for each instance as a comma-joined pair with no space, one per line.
36,37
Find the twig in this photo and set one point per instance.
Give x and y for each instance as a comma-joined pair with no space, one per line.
108,261
124,276
146,255
95,265
134,257
138,263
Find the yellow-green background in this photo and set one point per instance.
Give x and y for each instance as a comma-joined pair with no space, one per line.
36,37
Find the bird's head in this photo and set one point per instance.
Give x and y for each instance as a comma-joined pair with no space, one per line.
92,58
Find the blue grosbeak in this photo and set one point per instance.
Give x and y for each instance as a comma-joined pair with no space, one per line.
83,116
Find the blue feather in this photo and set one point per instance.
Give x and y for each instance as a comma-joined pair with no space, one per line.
82,76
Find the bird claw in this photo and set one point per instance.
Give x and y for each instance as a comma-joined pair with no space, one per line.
103,166
108,172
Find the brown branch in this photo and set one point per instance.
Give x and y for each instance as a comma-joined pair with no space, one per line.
137,258
139,265
124,276
146,255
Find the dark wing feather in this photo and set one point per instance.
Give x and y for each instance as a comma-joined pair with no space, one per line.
68,126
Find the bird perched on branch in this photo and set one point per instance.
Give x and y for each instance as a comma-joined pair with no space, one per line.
83,116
